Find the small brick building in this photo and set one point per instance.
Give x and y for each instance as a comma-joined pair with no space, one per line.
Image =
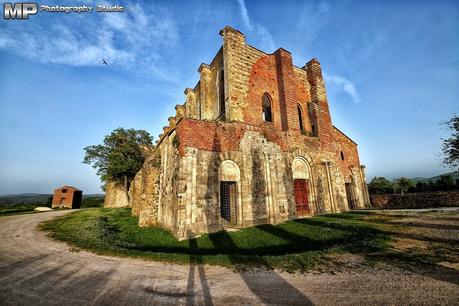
67,197
253,143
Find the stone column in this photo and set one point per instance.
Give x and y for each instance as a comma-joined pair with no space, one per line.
206,105
192,107
233,48
287,90
320,113
330,187
366,195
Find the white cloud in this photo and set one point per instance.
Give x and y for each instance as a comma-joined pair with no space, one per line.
261,35
133,40
245,14
264,38
343,84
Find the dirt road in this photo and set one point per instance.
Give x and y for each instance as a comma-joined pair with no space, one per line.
35,270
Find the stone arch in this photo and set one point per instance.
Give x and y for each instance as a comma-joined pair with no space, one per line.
229,171
301,169
229,176
299,153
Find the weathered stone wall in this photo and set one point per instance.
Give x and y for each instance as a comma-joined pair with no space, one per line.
416,200
265,186
260,186
115,196
144,190
210,86
136,191
169,184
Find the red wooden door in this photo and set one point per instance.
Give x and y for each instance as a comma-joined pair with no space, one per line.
301,197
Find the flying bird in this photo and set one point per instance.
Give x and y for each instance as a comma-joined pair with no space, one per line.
104,62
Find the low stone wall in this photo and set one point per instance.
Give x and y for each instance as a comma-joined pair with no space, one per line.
115,196
416,200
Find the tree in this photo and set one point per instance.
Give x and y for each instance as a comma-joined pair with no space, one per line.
49,202
421,186
403,184
450,146
379,185
120,156
445,182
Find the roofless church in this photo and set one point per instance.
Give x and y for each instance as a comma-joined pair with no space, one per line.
254,143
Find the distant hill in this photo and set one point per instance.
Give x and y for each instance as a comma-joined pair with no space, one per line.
454,174
33,198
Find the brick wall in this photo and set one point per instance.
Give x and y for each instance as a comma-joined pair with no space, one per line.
67,197
349,148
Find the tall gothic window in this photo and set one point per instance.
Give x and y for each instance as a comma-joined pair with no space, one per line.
300,117
266,105
221,93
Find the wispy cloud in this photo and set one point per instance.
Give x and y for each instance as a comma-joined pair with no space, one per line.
245,14
343,84
313,17
133,40
261,35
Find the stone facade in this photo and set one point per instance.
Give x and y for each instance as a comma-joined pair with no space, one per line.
252,144
67,197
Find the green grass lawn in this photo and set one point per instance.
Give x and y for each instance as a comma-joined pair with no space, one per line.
6,210
297,245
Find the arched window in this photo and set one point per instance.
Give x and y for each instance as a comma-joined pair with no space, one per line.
229,176
266,104
300,117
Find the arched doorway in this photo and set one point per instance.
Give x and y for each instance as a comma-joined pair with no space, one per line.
229,176
302,186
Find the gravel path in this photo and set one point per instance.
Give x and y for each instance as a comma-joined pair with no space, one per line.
37,270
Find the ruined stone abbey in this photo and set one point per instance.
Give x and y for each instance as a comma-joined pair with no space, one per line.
253,143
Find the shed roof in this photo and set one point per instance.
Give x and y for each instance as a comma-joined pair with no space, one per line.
67,187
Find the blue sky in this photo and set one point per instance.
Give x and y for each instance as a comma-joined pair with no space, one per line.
391,67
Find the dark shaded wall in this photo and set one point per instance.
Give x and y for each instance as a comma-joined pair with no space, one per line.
416,200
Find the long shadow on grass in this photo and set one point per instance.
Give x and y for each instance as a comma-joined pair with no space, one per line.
398,234
420,224
269,287
294,244
416,223
370,247
361,238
